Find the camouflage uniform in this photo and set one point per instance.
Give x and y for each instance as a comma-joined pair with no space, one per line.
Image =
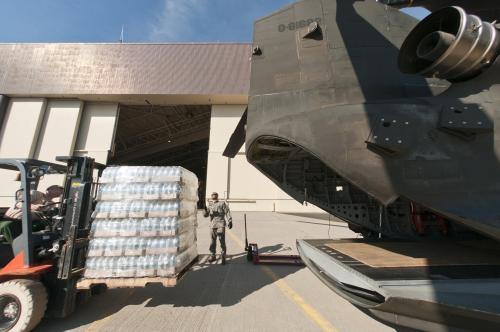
219,213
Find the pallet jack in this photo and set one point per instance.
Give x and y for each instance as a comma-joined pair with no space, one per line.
254,256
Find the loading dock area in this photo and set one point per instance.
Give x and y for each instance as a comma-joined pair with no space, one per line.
238,296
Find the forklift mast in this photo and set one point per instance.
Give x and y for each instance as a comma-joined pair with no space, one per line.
76,212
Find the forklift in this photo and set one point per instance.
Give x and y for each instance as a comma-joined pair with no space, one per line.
39,268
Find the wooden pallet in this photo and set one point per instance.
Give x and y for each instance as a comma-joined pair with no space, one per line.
134,282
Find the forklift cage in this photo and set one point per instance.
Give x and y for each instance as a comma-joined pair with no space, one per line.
29,181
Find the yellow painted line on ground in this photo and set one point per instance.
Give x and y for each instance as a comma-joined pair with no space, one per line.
286,289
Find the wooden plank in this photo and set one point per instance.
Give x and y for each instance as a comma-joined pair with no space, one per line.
414,254
134,282
127,282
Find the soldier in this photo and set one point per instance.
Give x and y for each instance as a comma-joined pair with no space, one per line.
219,213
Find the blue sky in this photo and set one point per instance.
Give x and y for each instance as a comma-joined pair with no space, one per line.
144,20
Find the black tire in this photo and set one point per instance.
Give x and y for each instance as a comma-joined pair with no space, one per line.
31,299
82,297
98,289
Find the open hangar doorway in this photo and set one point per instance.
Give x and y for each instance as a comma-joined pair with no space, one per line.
164,136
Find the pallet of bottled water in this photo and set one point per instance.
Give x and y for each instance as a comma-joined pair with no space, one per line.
148,174
144,227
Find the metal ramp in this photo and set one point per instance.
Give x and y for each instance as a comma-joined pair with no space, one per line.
423,285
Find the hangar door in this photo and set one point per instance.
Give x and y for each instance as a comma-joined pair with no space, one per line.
43,129
164,135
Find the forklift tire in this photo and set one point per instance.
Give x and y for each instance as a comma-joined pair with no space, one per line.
26,301
83,296
98,289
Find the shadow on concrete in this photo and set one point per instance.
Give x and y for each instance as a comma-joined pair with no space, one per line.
205,284
277,248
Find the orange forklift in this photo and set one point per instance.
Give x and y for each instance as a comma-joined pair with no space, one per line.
41,265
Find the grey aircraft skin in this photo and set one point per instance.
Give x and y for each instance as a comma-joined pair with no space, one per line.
334,121
391,125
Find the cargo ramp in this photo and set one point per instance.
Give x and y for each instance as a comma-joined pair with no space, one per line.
430,285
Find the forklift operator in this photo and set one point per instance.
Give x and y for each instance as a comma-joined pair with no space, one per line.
219,213
11,226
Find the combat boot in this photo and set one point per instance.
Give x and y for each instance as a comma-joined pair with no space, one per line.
223,259
212,258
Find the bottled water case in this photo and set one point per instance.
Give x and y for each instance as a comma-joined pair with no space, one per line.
144,224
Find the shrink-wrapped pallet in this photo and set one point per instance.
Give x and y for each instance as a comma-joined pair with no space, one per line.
144,224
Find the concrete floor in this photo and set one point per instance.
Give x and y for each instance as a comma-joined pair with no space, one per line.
236,297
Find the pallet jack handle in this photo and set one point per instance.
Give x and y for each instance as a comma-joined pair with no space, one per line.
246,237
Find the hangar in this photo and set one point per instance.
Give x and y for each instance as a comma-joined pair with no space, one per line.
134,104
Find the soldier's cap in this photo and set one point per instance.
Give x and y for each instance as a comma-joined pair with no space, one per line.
214,193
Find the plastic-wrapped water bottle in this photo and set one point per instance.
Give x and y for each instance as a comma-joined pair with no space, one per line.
109,246
156,225
152,246
94,250
121,265
128,192
175,243
139,174
165,267
164,194
154,209
139,191
98,268
90,268
108,208
99,211
177,172
130,174
119,175
95,228
136,210
164,227
140,246
114,247
129,227
151,171
152,191
107,267
176,187
160,245
174,209
145,227
125,267
99,227
123,209
161,174
154,174
164,245
108,191
111,192
114,210
99,192
141,266
151,265
107,228
160,209
108,175
115,192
